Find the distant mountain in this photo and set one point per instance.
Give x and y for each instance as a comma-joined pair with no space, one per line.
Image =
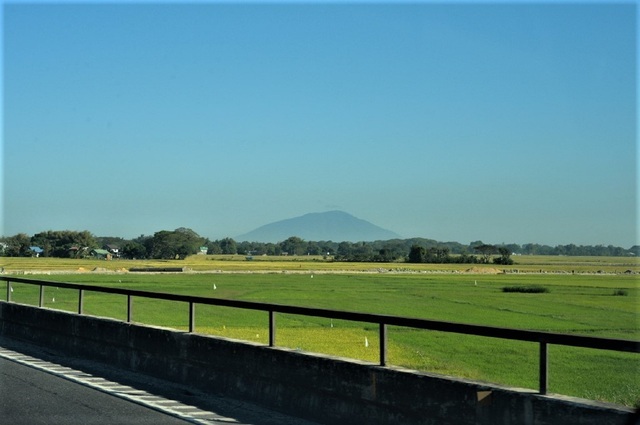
336,226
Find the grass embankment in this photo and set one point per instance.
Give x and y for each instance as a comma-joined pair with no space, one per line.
583,304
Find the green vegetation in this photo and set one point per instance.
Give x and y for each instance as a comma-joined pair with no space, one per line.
441,255
182,242
581,303
318,263
529,289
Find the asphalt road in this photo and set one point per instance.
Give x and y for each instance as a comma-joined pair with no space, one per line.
30,396
38,386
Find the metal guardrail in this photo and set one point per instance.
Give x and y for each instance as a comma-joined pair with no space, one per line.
383,321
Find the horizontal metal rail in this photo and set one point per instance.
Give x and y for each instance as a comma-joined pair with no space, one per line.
540,337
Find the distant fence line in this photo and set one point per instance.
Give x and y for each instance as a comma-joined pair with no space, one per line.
383,321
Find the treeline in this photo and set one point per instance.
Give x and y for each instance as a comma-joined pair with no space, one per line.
442,255
182,242
176,244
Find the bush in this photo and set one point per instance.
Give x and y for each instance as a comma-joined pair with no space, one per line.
621,292
531,289
504,261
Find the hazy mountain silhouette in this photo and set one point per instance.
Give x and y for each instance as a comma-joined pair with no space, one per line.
336,226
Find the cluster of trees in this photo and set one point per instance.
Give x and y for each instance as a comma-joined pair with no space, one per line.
179,243
441,255
64,243
183,242
165,244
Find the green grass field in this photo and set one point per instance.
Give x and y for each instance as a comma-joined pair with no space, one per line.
585,304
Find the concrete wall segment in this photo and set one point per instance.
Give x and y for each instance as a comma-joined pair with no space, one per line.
321,388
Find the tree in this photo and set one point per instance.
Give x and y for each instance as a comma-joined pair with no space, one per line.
110,240
177,244
465,259
385,255
436,255
18,246
362,252
64,243
486,250
416,255
214,248
272,249
505,256
134,250
294,246
313,248
228,246
344,249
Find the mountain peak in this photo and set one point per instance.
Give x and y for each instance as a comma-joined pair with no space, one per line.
336,226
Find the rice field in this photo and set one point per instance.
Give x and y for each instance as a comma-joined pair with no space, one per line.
586,301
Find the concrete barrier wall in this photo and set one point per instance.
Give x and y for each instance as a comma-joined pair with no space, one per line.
322,388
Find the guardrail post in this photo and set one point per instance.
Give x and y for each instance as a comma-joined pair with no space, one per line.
8,291
129,308
41,300
192,316
272,328
383,344
80,300
544,364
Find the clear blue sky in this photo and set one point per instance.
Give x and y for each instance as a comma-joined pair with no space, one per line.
500,122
